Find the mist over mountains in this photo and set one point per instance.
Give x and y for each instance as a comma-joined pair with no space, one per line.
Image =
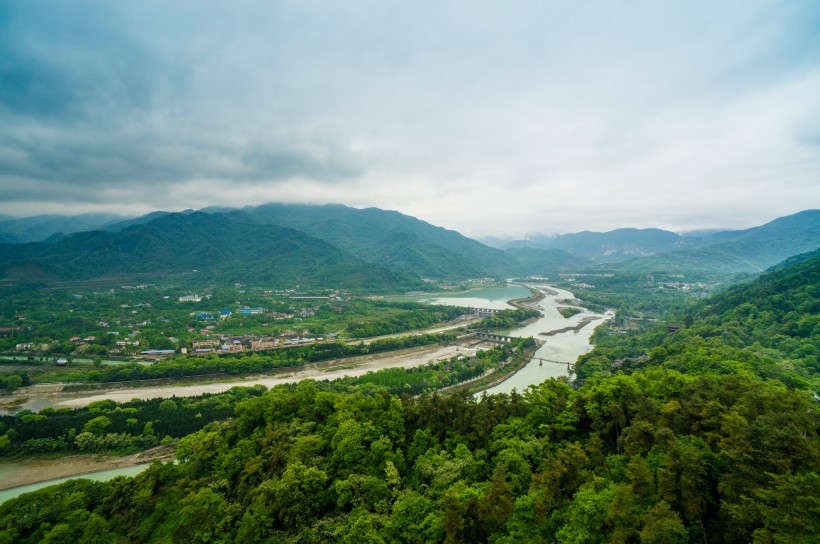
42,227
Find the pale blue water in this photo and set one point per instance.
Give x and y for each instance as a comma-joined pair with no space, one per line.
492,297
101,476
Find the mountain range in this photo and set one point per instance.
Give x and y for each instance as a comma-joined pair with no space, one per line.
336,245
748,251
228,248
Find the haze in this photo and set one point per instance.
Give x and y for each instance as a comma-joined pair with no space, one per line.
489,118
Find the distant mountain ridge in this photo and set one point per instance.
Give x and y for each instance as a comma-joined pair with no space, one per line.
227,247
339,244
715,251
609,247
537,261
750,251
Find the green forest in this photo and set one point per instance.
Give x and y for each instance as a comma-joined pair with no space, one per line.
703,428
656,456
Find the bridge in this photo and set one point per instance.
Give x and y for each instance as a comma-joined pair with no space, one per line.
498,338
483,312
541,361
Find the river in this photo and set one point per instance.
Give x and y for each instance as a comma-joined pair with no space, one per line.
564,347
100,476
494,298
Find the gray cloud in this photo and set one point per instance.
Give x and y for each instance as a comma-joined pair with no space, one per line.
510,119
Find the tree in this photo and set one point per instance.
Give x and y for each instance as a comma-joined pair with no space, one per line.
298,495
586,516
203,517
97,426
663,526
96,531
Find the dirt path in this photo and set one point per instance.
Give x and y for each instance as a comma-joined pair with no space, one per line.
31,471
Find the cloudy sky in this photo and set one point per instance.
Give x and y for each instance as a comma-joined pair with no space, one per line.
491,118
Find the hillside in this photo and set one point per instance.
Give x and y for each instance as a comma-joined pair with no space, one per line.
220,247
653,457
769,326
392,239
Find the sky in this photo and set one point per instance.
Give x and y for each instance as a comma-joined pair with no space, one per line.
491,118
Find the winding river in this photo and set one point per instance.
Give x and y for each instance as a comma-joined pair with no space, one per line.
566,338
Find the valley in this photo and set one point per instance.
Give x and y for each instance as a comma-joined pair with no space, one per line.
356,358
409,272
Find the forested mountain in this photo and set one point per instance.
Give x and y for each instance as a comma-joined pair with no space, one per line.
220,247
270,242
285,242
42,227
752,251
392,239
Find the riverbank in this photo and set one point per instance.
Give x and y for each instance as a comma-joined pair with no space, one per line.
326,370
461,322
20,472
500,375
38,397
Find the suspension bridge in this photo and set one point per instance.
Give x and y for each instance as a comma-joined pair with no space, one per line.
541,361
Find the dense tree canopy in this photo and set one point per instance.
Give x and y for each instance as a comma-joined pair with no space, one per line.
656,456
